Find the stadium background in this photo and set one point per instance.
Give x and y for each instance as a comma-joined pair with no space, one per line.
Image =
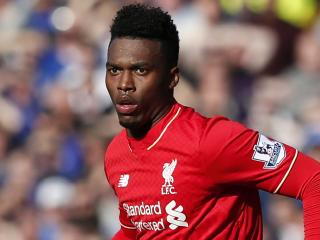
255,61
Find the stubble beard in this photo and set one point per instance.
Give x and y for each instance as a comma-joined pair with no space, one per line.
137,128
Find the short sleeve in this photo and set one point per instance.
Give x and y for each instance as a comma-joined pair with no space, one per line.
233,154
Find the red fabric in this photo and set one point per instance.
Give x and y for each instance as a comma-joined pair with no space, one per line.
212,190
194,207
311,206
303,183
124,234
227,148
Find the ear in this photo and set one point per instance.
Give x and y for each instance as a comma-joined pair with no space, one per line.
174,77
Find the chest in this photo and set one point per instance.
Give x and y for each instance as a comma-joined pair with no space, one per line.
168,191
159,186
157,175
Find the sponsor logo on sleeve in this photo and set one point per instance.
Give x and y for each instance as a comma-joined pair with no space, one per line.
268,151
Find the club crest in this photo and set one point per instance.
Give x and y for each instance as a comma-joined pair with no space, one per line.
167,187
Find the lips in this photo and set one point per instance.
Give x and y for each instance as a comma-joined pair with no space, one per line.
126,108
126,105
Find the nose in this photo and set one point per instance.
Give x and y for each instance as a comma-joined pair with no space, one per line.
126,82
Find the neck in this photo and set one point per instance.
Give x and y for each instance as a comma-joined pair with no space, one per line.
140,132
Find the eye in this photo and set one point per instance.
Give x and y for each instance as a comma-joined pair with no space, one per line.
113,70
141,70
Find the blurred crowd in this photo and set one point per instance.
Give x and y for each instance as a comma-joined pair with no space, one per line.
254,61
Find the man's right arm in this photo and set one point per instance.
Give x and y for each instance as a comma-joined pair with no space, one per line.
128,230
125,234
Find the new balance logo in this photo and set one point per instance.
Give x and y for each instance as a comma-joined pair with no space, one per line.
175,217
123,180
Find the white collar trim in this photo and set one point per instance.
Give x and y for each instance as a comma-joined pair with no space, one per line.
164,130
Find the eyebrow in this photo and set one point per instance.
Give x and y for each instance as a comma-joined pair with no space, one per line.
135,64
108,64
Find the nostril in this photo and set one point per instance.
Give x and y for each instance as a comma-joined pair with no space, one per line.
126,82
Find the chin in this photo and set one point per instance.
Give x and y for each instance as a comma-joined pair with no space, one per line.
128,125
134,124
128,122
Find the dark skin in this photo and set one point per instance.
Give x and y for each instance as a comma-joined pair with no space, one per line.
140,83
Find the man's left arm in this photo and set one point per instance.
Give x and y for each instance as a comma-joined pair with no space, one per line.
236,155
303,182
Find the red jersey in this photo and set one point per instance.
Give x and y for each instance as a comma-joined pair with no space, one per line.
193,177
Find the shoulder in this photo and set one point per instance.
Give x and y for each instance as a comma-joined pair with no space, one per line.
114,152
223,125
220,131
115,147
190,120
189,123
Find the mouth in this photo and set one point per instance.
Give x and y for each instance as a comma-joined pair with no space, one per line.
126,108
126,105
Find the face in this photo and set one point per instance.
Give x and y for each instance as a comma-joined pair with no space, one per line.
139,82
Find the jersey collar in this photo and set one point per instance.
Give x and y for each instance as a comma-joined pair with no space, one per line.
155,134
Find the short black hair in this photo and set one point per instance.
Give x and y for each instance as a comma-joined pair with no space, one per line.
143,21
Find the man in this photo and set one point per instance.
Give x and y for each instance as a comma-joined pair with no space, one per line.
177,174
